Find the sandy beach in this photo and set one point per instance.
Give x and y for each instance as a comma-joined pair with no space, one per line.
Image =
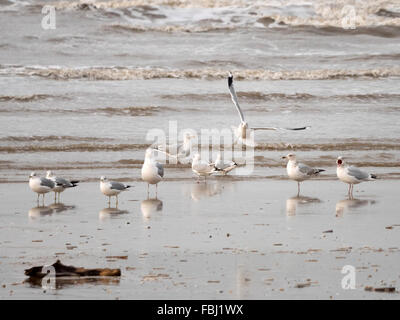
263,243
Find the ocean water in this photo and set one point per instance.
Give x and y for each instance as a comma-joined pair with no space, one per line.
80,99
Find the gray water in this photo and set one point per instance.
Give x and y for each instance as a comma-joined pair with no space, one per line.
85,94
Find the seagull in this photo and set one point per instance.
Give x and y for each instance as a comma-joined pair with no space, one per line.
152,171
201,167
351,175
243,130
61,184
178,151
224,167
40,185
112,188
299,171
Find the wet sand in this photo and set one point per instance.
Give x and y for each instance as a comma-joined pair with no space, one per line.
226,239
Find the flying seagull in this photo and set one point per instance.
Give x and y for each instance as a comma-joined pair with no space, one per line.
243,130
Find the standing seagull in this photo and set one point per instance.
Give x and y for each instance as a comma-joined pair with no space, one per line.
40,185
152,171
202,168
112,188
61,184
224,167
351,175
242,130
299,171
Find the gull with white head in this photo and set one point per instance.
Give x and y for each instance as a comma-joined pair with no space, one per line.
224,166
40,185
351,175
299,171
202,168
179,151
112,188
152,171
61,184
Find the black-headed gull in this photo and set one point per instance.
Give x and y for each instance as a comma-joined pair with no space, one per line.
112,188
299,171
61,184
351,175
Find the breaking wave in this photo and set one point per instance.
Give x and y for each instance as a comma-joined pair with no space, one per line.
259,96
131,73
86,145
108,111
27,98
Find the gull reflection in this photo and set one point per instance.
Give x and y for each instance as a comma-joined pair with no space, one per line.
65,282
351,205
293,202
60,207
108,213
205,190
39,211
150,206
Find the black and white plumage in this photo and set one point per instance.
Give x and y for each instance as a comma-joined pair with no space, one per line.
40,185
298,171
242,132
60,184
112,188
224,166
351,175
202,168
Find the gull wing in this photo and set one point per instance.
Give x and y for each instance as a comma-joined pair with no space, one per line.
278,128
234,96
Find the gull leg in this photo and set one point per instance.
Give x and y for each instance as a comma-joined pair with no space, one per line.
109,201
55,197
38,195
298,188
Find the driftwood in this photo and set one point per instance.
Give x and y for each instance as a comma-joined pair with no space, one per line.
383,289
71,271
